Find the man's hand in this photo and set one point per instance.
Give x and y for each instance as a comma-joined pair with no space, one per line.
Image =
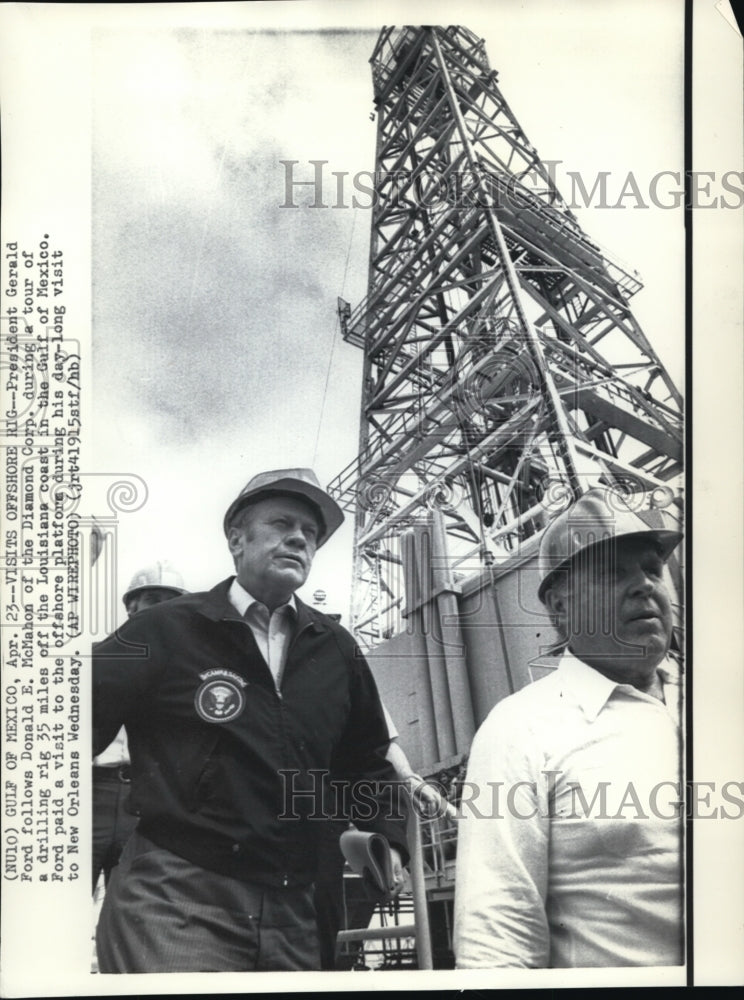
399,872
427,801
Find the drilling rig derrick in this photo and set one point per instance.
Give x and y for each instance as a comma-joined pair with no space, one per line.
503,368
504,375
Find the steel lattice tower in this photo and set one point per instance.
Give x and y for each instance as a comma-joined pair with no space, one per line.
503,368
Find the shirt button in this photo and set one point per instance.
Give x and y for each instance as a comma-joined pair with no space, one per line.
236,848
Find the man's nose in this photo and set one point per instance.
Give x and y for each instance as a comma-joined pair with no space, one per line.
642,581
296,536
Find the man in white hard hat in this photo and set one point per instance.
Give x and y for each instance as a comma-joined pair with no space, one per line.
242,706
113,821
152,585
572,853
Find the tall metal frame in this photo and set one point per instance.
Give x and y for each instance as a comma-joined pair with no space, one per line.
504,372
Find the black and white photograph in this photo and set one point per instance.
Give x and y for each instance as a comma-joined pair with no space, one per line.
370,394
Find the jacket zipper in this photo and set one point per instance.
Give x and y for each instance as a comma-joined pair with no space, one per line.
207,755
295,637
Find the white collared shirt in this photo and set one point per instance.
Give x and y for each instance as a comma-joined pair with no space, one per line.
548,877
272,630
116,753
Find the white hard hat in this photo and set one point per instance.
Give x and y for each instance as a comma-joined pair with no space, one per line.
157,576
597,517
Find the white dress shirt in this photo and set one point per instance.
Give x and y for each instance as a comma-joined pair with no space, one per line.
272,631
116,753
550,878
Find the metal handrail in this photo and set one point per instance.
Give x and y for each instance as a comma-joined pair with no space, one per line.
420,928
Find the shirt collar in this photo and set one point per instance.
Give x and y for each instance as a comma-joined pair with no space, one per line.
241,600
592,690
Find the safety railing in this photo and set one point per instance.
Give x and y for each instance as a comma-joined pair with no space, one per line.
427,858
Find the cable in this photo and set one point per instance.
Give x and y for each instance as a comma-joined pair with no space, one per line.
333,343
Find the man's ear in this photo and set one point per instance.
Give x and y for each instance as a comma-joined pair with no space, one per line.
234,540
555,602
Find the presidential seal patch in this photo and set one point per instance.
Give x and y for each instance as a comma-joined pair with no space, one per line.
220,697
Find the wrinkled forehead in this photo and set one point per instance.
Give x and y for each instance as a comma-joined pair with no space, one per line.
280,503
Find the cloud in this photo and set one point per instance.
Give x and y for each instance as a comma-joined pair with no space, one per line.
207,292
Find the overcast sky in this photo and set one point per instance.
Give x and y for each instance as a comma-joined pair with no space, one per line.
215,334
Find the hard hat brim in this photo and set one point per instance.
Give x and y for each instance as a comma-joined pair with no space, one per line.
178,591
666,540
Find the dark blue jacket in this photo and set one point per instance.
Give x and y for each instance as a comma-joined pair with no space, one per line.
216,753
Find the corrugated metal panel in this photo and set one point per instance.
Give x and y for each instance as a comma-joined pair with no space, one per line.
506,635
